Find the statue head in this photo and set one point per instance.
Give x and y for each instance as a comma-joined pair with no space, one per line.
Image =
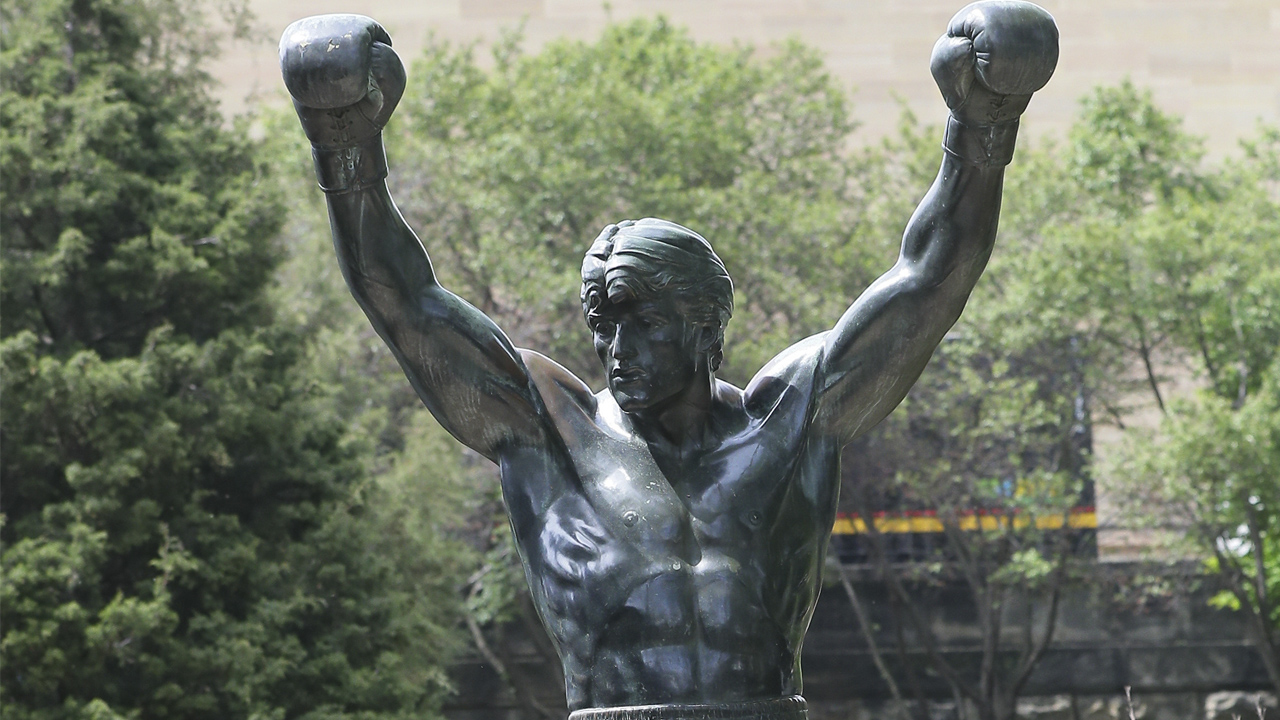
657,299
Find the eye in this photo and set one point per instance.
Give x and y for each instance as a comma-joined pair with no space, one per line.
650,321
605,327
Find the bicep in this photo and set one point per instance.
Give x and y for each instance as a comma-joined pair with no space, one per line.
462,366
880,346
884,340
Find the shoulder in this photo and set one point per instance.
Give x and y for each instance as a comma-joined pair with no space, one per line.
786,379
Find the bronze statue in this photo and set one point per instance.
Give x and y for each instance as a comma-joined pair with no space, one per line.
672,526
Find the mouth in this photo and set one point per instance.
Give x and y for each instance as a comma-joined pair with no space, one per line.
626,375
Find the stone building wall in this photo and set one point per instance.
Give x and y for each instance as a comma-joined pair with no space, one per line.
1217,62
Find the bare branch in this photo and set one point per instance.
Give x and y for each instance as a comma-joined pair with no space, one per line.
1031,659
864,624
921,627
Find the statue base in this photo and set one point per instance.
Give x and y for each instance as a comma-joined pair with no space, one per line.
789,708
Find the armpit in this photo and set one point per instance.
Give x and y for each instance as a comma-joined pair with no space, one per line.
560,389
786,380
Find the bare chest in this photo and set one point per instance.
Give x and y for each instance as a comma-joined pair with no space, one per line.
715,500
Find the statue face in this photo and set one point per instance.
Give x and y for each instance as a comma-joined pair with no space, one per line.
650,352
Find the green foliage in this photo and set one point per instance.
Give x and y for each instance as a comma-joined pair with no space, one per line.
1122,261
1160,268
1214,471
124,201
221,499
187,517
1217,469
511,173
1176,269
1125,153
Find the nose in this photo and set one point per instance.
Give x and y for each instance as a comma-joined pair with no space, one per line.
623,346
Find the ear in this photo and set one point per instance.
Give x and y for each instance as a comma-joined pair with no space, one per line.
711,342
705,336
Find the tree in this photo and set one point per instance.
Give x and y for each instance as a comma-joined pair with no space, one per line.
185,511
1186,282
991,449
517,168
1122,260
1213,470
1160,267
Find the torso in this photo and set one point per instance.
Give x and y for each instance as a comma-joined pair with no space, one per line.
668,579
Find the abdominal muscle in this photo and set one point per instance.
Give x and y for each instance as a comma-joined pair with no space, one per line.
691,634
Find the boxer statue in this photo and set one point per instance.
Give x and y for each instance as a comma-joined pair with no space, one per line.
672,527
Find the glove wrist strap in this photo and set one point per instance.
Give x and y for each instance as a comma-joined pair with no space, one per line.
981,145
348,169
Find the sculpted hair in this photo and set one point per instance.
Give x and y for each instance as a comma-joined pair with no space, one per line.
642,259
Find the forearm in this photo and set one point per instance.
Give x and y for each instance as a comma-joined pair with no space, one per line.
882,343
950,236
993,56
345,81
377,251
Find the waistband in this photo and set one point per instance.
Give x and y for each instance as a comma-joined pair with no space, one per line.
789,708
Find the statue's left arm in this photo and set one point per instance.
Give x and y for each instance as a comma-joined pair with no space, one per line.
994,55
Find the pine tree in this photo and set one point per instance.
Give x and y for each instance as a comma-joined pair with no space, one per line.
183,532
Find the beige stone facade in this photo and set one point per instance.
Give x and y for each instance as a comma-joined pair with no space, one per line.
1216,62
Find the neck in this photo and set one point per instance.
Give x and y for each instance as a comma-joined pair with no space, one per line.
683,419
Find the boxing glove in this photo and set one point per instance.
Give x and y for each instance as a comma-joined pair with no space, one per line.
345,81
994,55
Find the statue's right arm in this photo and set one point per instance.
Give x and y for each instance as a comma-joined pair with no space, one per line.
460,363
345,81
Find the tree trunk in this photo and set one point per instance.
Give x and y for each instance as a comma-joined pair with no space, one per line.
868,633
1004,707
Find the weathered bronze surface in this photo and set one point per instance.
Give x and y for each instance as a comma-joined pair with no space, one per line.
672,526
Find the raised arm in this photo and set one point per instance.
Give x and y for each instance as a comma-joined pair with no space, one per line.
994,55
345,81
